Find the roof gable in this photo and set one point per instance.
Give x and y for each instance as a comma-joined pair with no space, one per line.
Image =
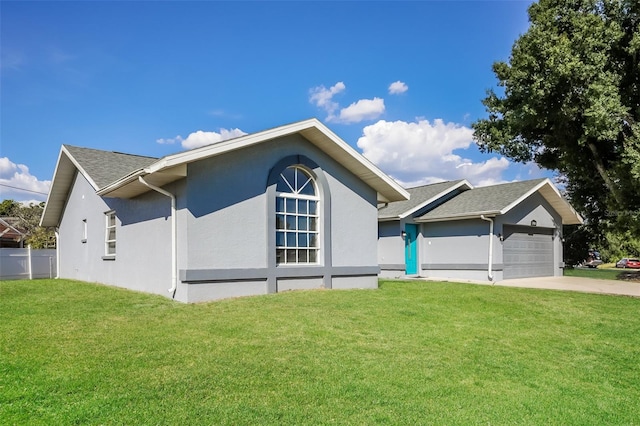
421,196
114,174
103,167
173,167
499,199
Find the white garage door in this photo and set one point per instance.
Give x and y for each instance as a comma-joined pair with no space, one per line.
527,252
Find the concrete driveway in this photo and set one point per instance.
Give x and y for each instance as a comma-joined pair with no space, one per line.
585,285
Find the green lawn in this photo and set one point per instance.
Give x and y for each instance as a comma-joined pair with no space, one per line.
408,353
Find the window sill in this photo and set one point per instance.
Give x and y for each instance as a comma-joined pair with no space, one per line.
113,257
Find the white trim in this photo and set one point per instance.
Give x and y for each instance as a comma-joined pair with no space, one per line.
462,216
107,215
435,197
295,196
368,171
560,205
79,167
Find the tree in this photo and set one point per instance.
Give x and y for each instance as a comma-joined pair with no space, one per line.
571,103
29,222
7,207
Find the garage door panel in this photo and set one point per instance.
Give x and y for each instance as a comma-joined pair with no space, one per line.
527,252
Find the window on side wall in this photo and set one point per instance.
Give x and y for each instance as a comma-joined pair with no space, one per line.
110,234
84,231
297,218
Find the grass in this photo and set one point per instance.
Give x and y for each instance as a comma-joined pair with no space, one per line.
408,353
604,273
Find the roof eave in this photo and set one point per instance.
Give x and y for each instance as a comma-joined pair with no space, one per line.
550,193
387,189
65,171
463,216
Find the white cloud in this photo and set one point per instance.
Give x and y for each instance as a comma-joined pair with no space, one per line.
202,138
18,184
421,152
364,109
397,87
322,98
169,141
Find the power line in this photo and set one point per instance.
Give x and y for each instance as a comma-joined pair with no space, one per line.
22,189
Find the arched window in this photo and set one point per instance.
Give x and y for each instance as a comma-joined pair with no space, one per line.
297,218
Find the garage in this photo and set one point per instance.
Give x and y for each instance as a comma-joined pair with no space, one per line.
527,252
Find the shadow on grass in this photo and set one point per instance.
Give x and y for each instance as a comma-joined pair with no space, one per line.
629,275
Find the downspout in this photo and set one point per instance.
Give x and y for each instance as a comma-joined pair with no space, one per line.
489,271
174,257
57,253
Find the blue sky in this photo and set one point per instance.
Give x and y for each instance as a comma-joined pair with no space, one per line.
400,81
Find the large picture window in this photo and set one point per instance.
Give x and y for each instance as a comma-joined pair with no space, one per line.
110,234
297,218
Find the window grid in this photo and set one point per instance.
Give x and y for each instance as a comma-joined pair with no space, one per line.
110,235
297,219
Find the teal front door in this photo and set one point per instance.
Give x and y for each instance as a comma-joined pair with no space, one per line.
411,249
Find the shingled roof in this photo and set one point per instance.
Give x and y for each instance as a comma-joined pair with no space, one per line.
420,197
498,199
105,167
114,174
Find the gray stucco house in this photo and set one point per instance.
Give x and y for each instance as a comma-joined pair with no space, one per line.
293,207
451,230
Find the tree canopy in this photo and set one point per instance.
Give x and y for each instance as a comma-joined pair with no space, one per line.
29,222
569,99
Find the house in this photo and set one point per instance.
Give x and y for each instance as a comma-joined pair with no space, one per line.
293,207
451,230
11,236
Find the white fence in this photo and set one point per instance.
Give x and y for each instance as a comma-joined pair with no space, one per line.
24,263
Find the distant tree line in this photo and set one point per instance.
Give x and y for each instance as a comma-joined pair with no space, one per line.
28,222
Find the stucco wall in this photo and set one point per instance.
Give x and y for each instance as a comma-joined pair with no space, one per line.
227,208
390,245
230,220
226,229
457,249
143,239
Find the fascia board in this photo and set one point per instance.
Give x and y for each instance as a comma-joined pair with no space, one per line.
225,146
80,169
474,215
255,138
132,177
435,197
569,215
388,219
361,159
525,196
64,173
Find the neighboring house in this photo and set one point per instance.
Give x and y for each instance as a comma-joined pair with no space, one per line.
451,230
293,207
10,234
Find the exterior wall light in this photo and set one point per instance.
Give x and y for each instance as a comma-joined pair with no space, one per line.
403,234
534,223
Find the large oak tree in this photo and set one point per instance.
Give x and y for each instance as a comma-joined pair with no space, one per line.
569,99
